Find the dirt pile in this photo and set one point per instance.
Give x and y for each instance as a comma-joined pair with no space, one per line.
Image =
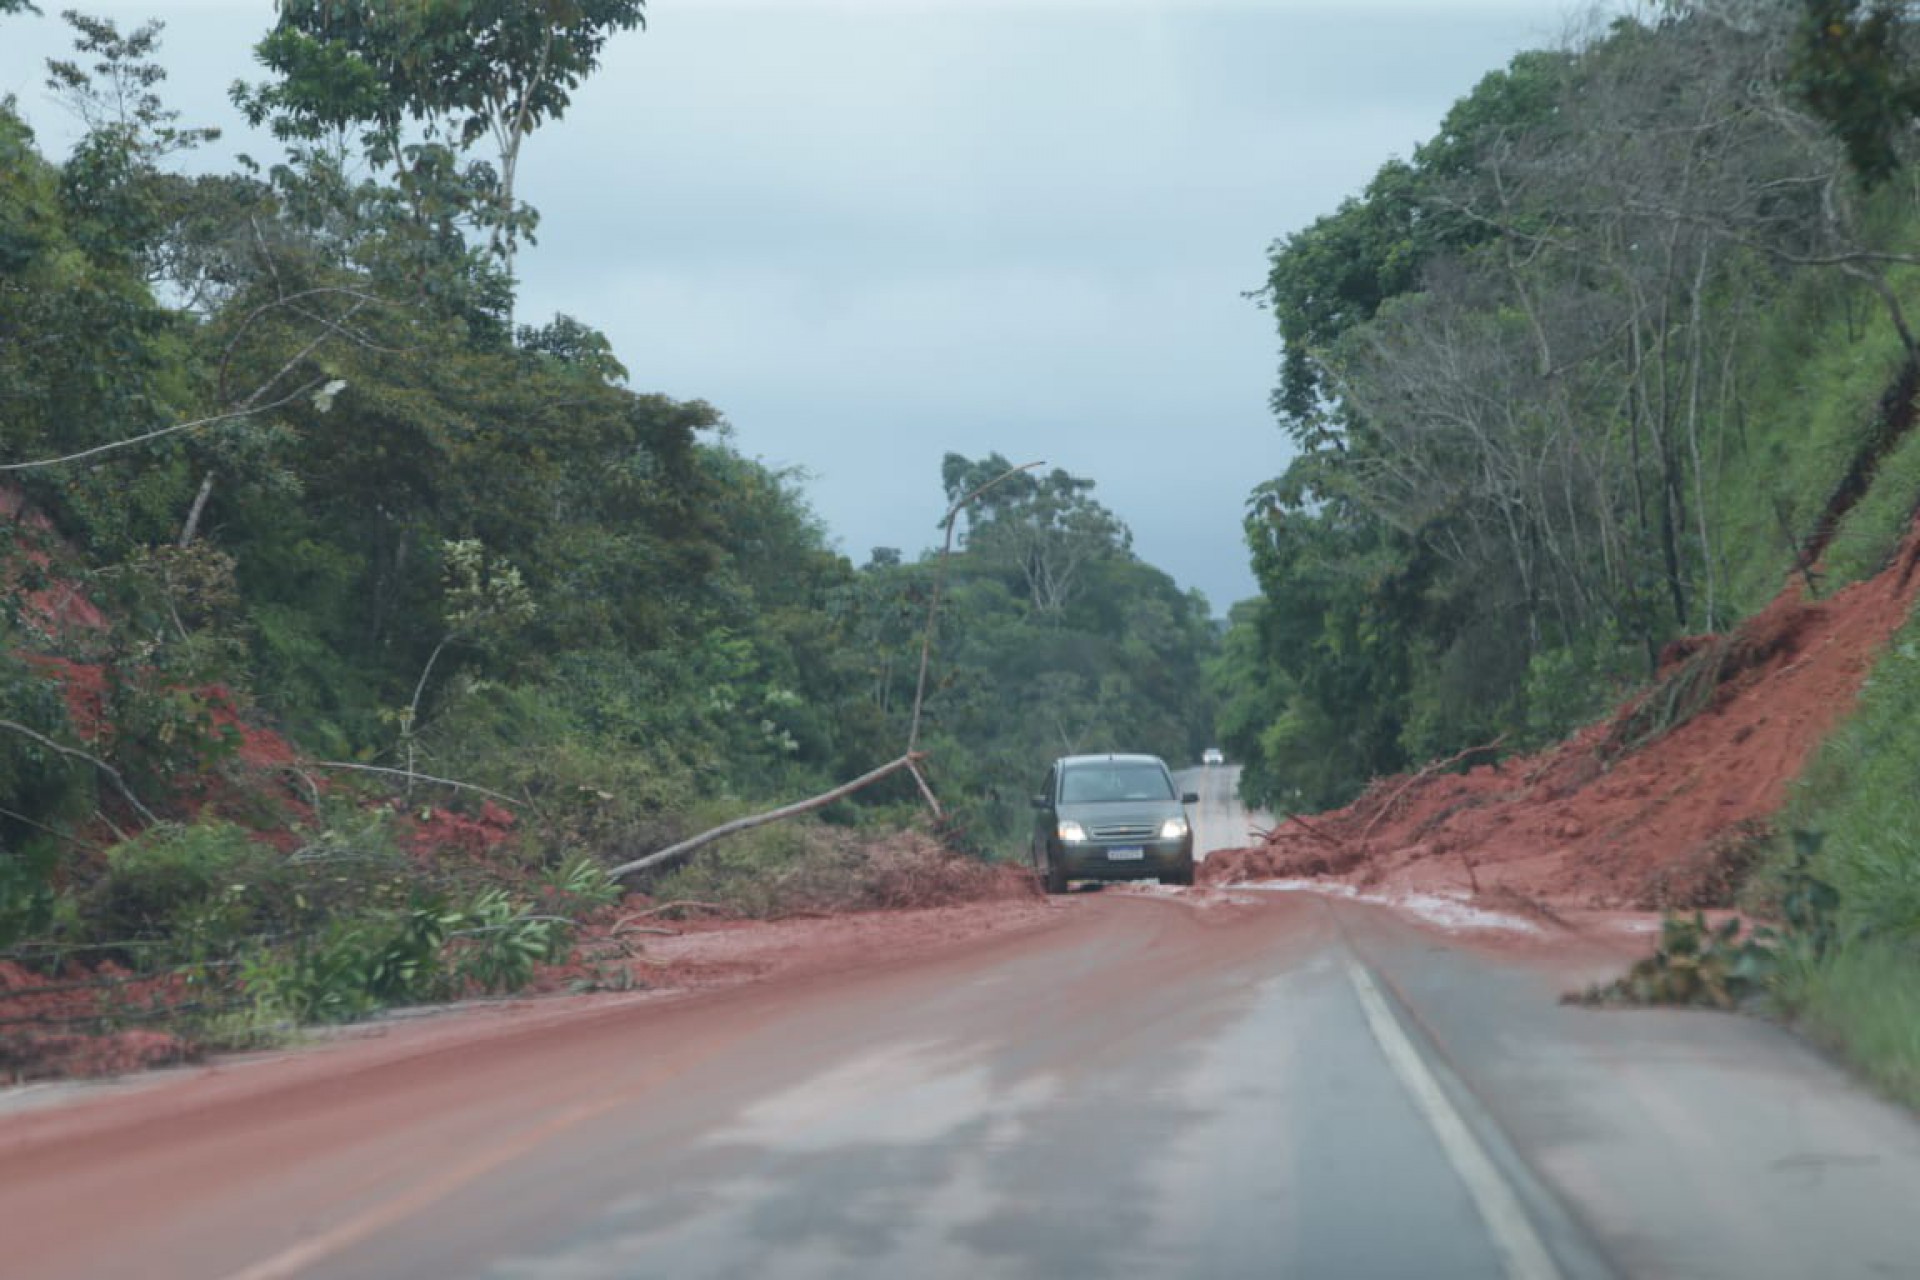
75,1023
1663,806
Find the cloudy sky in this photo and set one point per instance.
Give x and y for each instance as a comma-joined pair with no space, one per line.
875,231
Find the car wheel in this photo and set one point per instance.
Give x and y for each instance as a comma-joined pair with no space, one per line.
1056,877
1184,876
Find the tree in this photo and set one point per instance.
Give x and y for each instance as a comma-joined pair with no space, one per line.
456,72
1046,529
1853,65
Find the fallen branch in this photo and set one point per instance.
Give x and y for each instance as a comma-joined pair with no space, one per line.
682,904
821,801
77,754
163,431
55,832
1427,771
909,762
1310,829
411,776
926,792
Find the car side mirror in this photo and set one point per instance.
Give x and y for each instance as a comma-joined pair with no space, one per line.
1039,802
1192,797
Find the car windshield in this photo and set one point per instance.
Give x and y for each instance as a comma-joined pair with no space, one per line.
1104,783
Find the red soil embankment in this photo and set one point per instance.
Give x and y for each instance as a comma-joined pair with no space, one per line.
1616,816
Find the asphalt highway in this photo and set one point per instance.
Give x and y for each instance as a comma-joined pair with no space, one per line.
1219,820
1161,1083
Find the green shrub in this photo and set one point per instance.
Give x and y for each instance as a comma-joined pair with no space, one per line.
202,888
498,942
324,979
165,735
1869,534
1712,966
1811,388
1848,880
429,951
40,790
1859,800
1863,1000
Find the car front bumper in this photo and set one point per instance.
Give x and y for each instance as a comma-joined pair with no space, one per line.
1095,860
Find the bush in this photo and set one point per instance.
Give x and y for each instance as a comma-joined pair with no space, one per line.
203,888
1863,999
1712,966
1858,802
429,951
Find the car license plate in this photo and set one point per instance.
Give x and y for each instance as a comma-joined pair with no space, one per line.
1128,853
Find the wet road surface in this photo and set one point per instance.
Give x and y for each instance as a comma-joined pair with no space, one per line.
1159,1084
1219,820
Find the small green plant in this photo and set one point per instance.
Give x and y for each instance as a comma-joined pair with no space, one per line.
407,964
1715,967
578,886
324,979
500,943
1809,905
203,888
165,735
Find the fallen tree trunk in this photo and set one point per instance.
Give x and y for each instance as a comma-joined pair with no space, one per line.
74,753
676,851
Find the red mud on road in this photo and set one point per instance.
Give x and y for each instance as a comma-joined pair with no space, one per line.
701,957
707,953
1615,817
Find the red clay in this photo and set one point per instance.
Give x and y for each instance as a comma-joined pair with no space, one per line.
1605,821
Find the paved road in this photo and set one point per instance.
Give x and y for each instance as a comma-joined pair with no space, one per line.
1155,1085
1219,820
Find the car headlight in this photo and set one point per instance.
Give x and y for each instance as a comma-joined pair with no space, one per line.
1072,832
1174,828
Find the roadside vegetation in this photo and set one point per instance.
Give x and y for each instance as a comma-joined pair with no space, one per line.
1853,859
1621,352
352,621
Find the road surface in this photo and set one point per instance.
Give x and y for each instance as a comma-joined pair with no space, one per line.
1148,1083
1219,820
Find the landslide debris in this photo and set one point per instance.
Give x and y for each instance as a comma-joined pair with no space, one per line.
1665,805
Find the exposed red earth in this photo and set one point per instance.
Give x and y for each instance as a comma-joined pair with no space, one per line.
1604,822
689,957
1617,816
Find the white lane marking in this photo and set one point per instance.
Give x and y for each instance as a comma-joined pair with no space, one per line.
1521,1250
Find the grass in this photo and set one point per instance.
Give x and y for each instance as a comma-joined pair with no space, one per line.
1869,534
1859,795
1858,798
1811,390
1863,1000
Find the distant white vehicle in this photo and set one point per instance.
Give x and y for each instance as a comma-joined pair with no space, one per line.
1212,756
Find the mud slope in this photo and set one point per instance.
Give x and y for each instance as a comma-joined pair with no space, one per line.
1651,809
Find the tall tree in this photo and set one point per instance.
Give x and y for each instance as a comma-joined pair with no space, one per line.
458,71
1047,529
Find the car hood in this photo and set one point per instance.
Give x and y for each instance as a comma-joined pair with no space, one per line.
1121,813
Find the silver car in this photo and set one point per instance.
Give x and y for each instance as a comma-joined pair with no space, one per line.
1112,817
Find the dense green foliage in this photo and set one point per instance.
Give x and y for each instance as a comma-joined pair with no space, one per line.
1597,367
1614,357
292,441
1054,639
1852,827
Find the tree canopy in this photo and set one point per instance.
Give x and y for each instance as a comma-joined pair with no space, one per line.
1527,374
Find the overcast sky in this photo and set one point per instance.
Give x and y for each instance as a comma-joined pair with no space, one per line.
875,231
